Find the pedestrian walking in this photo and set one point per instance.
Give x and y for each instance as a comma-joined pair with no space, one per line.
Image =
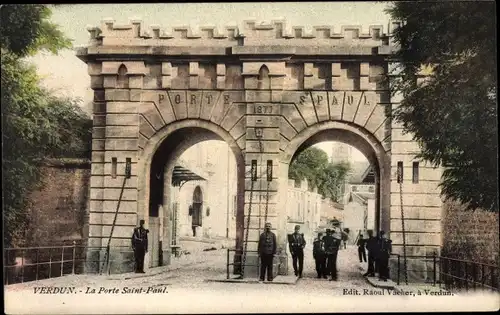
297,242
319,256
385,249
267,250
332,245
345,237
361,248
140,246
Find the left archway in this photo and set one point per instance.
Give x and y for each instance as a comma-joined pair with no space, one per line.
156,164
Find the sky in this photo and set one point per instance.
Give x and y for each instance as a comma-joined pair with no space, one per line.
67,75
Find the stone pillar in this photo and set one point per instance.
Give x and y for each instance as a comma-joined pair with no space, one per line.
262,149
115,139
422,204
282,201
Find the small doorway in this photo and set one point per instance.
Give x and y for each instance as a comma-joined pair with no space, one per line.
197,207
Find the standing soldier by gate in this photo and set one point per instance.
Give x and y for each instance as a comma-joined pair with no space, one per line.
372,247
296,245
140,246
320,256
361,248
385,249
332,246
267,250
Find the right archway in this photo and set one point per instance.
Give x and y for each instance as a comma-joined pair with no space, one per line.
362,140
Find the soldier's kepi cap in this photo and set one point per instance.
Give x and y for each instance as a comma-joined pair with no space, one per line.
328,230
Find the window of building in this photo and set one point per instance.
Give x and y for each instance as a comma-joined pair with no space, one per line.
128,167
415,173
122,78
264,82
114,164
400,172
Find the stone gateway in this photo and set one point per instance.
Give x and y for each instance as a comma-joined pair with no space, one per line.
267,89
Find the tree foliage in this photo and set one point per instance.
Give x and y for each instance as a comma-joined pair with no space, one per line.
308,165
26,29
452,113
312,164
331,180
35,124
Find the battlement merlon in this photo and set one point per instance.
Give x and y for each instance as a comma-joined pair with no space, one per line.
252,33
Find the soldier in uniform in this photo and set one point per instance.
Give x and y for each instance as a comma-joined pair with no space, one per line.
332,245
296,244
267,250
361,248
320,256
140,246
372,247
385,249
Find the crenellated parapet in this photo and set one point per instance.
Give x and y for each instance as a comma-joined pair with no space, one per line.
250,33
135,33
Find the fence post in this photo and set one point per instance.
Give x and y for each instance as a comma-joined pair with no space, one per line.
482,276
474,274
74,254
22,265
466,271
440,270
492,277
434,267
37,261
227,264
447,272
50,262
62,261
399,261
6,266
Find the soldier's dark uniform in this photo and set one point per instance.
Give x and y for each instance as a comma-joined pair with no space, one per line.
332,246
296,246
267,250
320,256
140,246
361,249
384,251
372,247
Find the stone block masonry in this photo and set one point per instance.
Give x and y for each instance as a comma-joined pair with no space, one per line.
58,210
269,90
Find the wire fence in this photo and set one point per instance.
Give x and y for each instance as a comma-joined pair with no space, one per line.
453,274
458,274
237,264
36,263
26,264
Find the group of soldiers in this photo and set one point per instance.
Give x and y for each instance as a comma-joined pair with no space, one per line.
325,251
379,249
